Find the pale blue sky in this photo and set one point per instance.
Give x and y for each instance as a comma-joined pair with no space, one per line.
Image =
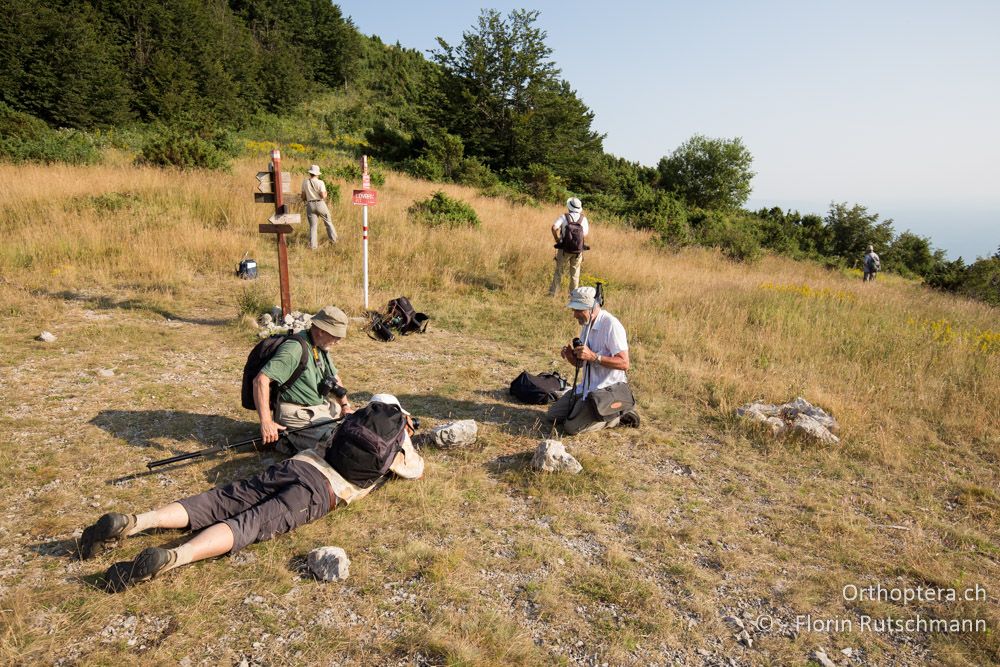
893,105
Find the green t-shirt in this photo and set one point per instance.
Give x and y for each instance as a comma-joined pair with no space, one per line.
284,362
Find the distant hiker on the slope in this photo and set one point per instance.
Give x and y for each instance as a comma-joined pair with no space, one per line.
314,199
603,399
872,264
569,232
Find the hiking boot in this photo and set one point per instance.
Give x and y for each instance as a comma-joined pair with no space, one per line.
109,529
149,563
630,419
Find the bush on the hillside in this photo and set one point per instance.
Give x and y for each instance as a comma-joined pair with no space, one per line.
473,172
425,167
180,147
351,172
541,182
512,195
24,138
982,281
440,210
734,235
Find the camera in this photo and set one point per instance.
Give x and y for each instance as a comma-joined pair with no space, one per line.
577,343
329,385
416,422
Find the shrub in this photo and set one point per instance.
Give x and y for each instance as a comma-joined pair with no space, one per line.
178,147
24,138
473,172
441,210
541,182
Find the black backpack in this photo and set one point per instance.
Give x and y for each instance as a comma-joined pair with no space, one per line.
571,240
402,316
258,358
366,443
538,389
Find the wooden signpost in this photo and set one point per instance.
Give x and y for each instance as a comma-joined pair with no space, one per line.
281,222
365,197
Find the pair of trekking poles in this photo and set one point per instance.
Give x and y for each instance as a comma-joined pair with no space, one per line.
235,445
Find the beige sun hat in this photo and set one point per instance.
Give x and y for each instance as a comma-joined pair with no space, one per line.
332,320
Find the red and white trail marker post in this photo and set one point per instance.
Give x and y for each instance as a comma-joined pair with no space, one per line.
365,197
268,192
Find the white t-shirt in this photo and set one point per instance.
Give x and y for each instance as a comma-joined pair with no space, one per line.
558,225
607,338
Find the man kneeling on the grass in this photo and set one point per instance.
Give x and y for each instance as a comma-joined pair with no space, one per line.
370,444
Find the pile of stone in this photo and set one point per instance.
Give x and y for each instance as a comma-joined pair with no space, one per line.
798,417
273,323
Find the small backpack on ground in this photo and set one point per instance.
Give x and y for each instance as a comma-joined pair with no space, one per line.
571,240
402,316
258,358
365,445
538,389
247,270
399,315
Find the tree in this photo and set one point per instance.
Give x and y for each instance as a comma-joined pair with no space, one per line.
501,93
852,230
909,252
708,173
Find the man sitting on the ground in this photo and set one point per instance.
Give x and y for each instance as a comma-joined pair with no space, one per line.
286,495
604,360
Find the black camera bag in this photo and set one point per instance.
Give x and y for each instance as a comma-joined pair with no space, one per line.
538,389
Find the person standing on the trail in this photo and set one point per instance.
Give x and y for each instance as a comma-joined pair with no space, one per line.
314,198
569,232
872,264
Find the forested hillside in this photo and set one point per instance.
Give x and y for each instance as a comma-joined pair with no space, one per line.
192,84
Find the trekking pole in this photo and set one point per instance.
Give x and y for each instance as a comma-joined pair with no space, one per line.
598,299
228,446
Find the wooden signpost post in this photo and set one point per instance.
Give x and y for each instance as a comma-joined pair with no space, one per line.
269,191
365,197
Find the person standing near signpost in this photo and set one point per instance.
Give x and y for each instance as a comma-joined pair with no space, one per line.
314,198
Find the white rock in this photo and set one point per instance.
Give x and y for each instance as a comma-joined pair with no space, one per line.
551,456
266,320
847,651
329,563
801,406
804,425
289,320
46,337
759,411
744,638
105,372
456,434
823,659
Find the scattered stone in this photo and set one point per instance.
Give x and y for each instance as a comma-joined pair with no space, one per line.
744,638
552,456
454,435
821,657
798,417
735,622
46,337
847,651
266,320
329,563
105,372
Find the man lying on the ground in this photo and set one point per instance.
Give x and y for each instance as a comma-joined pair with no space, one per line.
371,443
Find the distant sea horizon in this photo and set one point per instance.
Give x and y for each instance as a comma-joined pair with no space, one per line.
968,233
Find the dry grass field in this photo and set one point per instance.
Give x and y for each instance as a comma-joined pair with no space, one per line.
671,527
